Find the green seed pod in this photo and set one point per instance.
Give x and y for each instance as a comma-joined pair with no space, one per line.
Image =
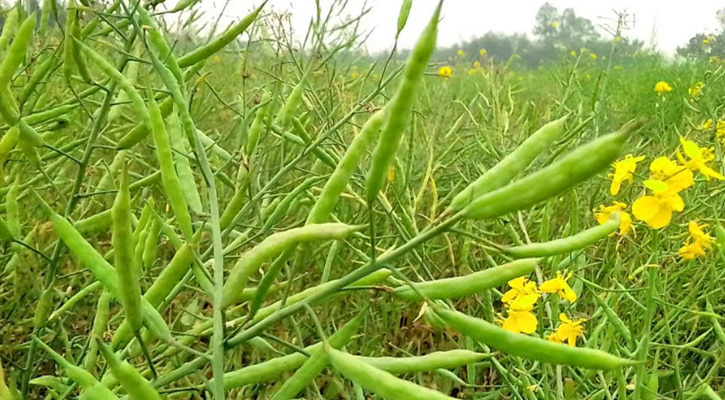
430,362
92,389
6,235
206,51
17,51
257,124
171,182
58,384
372,279
136,99
339,179
455,288
276,367
403,16
237,201
119,104
530,347
309,370
180,147
10,25
158,41
282,208
137,387
74,25
570,170
43,309
163,285
150,248
40,73
44,17
8,142
378,381
101,269
82,294
272,246
100,324
286,113
504,171
566,245
123,254
183,5
400,107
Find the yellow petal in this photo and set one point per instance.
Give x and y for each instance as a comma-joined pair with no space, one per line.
625,224
645,207
661,219
656,185
691,149
710,173
572,339
676,202
616,185
551,286
527,322
510,325
525,302
567,293
509,295
517,283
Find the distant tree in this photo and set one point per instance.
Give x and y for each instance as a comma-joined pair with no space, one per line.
704,45
563,28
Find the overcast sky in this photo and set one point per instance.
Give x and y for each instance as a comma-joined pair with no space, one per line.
664,23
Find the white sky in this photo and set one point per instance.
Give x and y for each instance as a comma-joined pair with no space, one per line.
664,23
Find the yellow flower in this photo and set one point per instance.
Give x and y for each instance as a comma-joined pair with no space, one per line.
519,316
698,159
698,234
567,331
445,72
691,251
472,71
354,75
676,176
477,64
519,287
707,124
559,286
656,210
662,87
714,59
482,52
461,53
391,174
695,90
623,171
572,53
605,212
696,242
593,56
720,128
555,24
617,38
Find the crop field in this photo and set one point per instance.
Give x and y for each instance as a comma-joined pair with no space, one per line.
196,208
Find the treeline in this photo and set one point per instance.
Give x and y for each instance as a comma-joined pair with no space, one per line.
556,34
